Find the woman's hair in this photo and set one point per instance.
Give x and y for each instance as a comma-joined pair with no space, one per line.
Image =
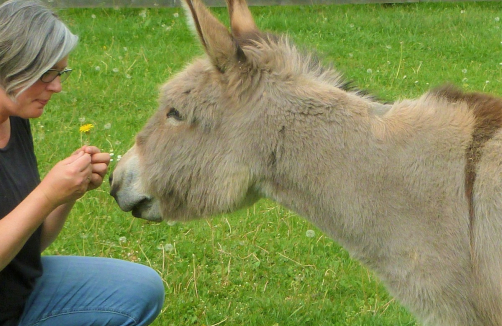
32,40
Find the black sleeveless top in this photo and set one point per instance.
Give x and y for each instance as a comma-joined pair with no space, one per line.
18,177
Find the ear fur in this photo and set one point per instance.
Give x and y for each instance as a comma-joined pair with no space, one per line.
241,20
218,43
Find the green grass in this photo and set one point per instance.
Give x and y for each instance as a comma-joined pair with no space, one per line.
256,266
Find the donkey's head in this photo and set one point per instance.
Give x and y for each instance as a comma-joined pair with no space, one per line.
216,134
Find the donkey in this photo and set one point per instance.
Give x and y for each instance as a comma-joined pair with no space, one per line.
412,189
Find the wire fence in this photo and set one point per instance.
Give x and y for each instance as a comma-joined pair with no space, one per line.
211,3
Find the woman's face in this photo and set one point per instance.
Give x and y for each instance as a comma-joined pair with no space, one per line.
31,103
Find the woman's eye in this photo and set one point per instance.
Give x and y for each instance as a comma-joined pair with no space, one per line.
173,113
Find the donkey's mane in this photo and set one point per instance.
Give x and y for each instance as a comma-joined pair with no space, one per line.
279,53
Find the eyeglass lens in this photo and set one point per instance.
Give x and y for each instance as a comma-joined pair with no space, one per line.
50,75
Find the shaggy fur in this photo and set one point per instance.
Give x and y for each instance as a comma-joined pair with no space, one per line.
412,189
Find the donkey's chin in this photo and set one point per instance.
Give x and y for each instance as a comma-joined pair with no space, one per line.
147,209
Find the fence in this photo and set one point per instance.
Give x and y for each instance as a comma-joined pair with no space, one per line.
212,3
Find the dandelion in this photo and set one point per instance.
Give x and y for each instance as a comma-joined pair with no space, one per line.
107,126
82,119
369,71
97,68
122,240
128,76
176,15
310,233
115,70
93,16
86,128
464,71
168,247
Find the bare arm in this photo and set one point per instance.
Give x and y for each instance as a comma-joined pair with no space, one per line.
53,224
66,182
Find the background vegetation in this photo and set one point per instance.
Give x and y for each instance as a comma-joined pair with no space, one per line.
263,265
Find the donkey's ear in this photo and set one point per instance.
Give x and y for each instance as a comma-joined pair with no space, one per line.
214,36
241,20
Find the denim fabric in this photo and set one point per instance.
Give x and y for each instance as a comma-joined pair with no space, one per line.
78,291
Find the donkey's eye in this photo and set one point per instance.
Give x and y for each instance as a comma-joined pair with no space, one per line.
175,114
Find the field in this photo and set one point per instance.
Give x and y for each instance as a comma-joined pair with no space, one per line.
263,265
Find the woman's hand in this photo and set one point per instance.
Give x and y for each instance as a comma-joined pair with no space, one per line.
69,179
100,162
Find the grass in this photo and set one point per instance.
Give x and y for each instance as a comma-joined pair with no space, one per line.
256,266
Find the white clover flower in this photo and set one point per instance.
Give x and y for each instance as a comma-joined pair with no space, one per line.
97,68
310,233
115,70
369,71
107,126
122,240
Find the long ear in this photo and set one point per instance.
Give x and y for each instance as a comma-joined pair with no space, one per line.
241,20
217,40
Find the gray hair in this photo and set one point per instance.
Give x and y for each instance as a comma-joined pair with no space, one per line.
32,40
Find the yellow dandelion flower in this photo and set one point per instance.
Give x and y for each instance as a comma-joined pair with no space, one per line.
86,128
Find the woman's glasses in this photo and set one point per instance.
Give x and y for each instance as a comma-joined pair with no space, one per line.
52,74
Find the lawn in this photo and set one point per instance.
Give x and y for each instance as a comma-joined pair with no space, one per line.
263,265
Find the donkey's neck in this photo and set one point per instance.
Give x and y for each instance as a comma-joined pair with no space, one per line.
324,162
361,183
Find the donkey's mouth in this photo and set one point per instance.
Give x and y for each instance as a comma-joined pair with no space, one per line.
147,209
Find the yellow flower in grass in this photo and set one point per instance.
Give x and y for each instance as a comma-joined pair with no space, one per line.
86,128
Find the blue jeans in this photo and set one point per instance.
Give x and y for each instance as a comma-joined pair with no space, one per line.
78,291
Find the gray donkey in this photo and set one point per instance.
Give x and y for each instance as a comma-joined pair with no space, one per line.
413,189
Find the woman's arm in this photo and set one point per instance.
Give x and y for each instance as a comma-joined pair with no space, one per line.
65,183
53,224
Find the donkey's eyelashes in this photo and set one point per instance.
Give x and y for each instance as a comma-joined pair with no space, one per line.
175,114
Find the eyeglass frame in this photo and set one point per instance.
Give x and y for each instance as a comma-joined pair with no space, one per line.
65,72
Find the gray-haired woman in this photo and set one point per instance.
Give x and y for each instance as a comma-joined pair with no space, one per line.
45,290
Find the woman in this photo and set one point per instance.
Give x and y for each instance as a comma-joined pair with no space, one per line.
58,290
